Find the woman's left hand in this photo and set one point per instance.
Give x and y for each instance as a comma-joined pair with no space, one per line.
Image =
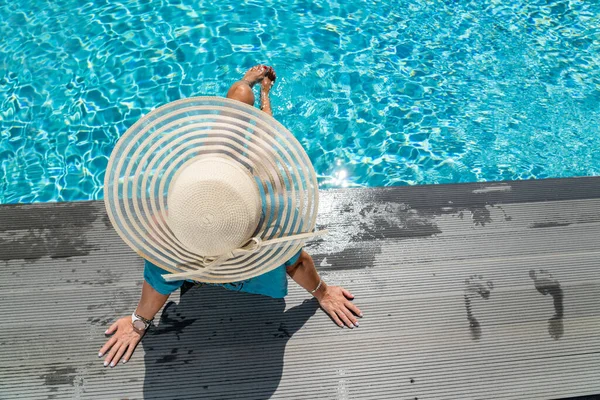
336,301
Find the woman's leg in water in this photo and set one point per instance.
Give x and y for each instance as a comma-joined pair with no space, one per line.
265,87
242,89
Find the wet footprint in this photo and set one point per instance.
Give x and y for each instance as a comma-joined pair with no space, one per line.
475,286
546,284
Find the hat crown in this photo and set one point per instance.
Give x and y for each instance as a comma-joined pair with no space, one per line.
214,206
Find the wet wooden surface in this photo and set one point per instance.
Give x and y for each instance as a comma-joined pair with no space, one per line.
476,291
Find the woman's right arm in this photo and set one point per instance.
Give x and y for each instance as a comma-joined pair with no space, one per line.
125,337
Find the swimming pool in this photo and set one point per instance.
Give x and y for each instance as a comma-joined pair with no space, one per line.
390,92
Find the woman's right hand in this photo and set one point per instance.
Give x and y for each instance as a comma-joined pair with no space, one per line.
123,342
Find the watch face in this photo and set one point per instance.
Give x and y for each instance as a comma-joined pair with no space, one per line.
139,325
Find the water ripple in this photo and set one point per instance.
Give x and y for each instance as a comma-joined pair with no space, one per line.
379,93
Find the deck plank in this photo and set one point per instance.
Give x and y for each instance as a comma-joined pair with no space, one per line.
416,258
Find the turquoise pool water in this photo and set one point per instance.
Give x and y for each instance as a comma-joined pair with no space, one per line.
389,92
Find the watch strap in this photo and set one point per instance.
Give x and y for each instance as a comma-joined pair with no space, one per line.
148,321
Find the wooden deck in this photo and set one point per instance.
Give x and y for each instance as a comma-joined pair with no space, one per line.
475,291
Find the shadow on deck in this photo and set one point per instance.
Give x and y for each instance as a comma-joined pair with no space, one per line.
470,291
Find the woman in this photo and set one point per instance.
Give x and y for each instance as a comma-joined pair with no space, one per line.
127,332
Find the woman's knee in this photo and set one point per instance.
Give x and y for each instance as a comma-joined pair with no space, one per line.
241,92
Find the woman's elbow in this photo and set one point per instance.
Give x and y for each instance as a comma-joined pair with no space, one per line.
304,257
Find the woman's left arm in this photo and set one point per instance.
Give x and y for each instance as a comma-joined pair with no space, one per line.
335,300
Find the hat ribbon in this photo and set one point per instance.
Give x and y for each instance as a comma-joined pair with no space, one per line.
253,245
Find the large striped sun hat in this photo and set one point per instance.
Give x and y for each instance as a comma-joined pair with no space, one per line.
211,189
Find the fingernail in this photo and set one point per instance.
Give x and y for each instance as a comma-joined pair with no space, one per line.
124,361
356,324
106,332
99,354
360,315
112,364
105,363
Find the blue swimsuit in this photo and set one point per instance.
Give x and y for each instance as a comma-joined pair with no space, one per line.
272,284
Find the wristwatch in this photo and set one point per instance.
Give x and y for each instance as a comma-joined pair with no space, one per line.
140,323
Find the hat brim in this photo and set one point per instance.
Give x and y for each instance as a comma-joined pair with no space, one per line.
148,156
